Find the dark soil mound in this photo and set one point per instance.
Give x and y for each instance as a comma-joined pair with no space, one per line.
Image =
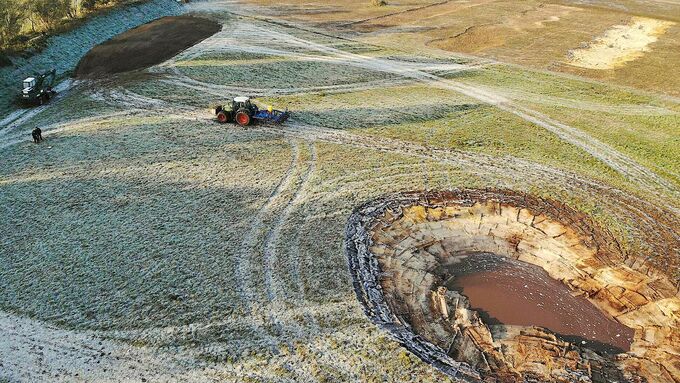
146,45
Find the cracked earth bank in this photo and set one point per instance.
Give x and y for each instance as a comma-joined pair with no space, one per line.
403,251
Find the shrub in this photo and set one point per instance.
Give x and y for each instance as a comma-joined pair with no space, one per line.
4,60
12,14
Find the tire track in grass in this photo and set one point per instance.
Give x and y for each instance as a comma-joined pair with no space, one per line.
509,167
539,173
22,116
644,178
415,9
274,287
297,294
24,136
247,249
220,90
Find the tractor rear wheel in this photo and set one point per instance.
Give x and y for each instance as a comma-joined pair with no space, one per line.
222,117
242,118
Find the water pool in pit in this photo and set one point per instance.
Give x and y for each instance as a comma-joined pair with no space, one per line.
510,292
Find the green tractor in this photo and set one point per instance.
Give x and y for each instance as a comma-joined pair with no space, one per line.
38,89
243,111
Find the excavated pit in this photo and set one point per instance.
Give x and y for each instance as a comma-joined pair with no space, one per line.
493,285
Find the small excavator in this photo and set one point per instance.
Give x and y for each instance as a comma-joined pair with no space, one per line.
38,89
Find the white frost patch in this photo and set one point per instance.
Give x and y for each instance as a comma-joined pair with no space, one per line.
619,44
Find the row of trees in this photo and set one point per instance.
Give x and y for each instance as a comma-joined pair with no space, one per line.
21,19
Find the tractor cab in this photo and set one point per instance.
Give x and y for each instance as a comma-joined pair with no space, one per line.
243,103
38,88
29,83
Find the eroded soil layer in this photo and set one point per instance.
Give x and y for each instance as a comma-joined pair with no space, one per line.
403,251
145,46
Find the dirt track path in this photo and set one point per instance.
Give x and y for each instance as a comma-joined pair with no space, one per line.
274,287
623,164
271,40
245,270
21,116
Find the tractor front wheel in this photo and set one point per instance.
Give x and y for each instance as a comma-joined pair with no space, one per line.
222,117
242,118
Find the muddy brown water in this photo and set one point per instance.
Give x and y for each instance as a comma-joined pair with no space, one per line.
510,292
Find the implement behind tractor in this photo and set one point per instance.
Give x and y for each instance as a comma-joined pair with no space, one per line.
243,112
38,89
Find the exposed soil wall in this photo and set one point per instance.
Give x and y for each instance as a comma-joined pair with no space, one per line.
401,247
146,45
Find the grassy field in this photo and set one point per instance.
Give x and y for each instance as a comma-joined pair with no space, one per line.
530,33
142,220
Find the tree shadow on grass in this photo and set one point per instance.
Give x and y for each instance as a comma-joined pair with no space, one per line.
108,254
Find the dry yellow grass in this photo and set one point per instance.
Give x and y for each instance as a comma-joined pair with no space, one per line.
533,33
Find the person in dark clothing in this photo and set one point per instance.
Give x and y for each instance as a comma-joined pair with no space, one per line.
37,135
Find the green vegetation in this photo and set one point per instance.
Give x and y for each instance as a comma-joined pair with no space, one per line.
640,125
445,119
25,23
653,141
548,84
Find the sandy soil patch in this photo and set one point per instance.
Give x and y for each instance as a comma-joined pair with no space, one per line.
145,46
620,44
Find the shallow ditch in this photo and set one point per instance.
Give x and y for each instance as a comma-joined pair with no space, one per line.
497,286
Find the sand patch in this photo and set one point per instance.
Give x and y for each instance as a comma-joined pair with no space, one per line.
620,44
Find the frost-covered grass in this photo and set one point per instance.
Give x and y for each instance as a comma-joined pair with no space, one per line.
284,74
122,206
162,228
